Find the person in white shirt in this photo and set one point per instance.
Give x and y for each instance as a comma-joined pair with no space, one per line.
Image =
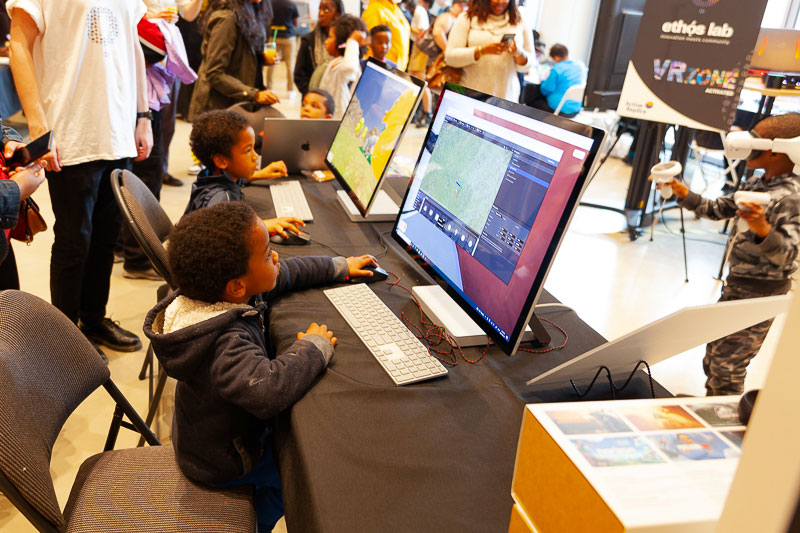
476,44
350,33
79,71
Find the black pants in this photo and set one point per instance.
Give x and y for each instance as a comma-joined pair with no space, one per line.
532,96
9,276
168,116
149,171
87,226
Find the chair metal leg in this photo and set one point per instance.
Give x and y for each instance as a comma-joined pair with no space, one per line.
147,363
154,401
125,408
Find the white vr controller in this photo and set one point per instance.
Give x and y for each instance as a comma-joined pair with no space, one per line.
663,172
760,198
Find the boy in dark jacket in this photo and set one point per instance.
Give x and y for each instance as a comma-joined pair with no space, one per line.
224,142
762,259
210,336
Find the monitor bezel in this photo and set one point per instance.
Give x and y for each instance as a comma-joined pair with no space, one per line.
596,134
364,209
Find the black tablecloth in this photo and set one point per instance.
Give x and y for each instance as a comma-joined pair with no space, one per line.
9,102
357,453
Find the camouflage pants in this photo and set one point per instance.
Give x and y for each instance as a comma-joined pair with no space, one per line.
726,360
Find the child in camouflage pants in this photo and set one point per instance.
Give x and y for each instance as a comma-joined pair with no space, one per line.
762,259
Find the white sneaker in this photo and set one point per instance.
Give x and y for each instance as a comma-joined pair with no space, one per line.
196,169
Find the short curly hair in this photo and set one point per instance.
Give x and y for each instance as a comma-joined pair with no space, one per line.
780,126
209,247
215,133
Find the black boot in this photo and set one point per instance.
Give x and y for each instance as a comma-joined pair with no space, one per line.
108,333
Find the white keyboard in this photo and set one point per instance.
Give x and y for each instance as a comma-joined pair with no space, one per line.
398,351
290,201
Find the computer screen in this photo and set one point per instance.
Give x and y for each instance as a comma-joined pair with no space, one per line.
371,128
492,193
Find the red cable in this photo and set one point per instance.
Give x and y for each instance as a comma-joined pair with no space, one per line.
435,335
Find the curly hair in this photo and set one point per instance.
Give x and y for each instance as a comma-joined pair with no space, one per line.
344,26
483,8
209,247
780,126
215,133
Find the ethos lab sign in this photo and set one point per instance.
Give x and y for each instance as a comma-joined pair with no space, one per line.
690,61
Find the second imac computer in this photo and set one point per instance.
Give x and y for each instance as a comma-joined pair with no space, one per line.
493,191
367,138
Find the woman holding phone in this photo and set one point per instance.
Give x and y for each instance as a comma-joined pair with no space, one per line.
233,47
15,186
491,42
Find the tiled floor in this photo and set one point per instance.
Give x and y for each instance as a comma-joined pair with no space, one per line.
614,284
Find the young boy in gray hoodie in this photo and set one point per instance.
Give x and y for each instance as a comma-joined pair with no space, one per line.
210,336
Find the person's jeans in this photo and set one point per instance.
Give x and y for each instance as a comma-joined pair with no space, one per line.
86,227
267,496
149,171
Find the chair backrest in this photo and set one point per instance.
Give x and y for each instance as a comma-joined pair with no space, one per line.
47,368
145,218
573,93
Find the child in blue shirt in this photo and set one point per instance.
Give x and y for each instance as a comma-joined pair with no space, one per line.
564,74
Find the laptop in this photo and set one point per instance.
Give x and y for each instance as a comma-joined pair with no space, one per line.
301,143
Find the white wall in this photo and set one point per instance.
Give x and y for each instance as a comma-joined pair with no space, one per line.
570,23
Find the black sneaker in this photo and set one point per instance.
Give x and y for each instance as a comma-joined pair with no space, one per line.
170,180
109,333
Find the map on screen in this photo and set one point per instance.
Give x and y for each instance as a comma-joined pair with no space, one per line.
370,130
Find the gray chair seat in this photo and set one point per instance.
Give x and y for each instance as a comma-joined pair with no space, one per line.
115,491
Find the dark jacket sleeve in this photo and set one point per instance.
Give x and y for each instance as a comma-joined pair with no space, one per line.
223,34
302,272
263,387
720,209
9,134
9,204
304,64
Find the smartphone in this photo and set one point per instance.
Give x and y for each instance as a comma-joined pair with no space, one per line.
32,151
508,37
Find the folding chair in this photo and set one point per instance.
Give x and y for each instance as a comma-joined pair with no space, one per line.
573,93
150,226
44,377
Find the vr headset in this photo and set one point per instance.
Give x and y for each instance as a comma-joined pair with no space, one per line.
749,145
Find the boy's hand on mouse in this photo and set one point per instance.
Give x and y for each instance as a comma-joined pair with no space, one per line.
280,225
266,97
755,216
356,265
321,330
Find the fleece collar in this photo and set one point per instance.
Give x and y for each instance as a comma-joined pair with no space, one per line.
183,312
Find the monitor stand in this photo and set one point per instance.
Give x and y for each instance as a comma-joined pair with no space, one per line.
445,312
383,209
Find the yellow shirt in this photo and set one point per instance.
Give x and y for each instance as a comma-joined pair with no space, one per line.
387,12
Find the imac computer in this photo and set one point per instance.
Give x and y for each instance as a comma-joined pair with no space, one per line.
371,128
492,193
